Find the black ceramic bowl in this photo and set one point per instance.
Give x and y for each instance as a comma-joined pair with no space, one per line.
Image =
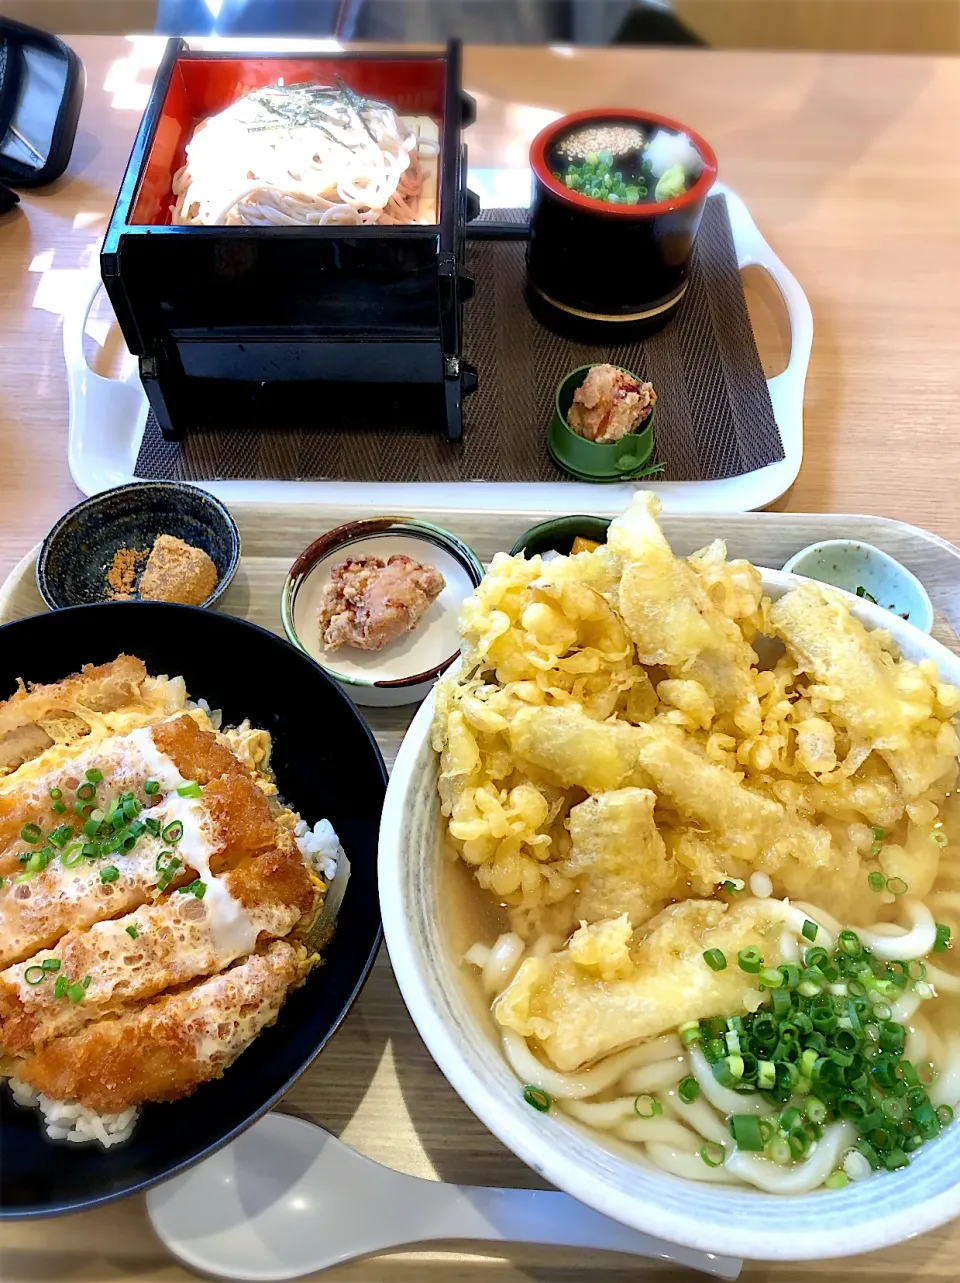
599,271
78,551
558,533
327,766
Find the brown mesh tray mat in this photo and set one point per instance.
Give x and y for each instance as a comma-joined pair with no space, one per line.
714,416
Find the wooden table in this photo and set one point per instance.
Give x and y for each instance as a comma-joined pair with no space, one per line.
814,144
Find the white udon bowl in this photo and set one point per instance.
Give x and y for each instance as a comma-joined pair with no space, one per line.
734,1220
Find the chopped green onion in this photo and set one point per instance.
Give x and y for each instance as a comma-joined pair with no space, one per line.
60,986
537,1097
91,828
942,943
72,855
131,808
76,992
31,833
688,1089
646,1106
190,789
173,832
196,888
877,834
34,975
110,873
770,978
766,1075
87,791
713,1154
58,808
945,1114
745,1130
897,886
836,1180
151,787
132,930
876,881
939,838
750,960
55,795
94,775
61,836
715,959
894,1159
152,825
810,929
690,1033
51,964
733,886
849,942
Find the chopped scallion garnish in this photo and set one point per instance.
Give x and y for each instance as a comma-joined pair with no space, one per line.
537,1097
34,975
31,833
94,775
173,832
109,874
60,986
688,1089
646,1106
809,930
151,787
713,1154
942,943
76,992
750,960
715,959
190,789
132,930
897,886
196,887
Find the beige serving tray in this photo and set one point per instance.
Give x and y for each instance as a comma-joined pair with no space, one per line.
375,1085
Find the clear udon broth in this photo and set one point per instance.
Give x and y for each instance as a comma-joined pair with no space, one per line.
630,1101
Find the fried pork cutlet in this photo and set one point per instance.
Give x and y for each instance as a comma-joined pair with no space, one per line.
369,603
169,1047
231,820
124,762
157,947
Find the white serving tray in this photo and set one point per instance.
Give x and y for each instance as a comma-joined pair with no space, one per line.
107,418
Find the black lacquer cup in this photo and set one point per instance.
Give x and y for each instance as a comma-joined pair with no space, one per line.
605,271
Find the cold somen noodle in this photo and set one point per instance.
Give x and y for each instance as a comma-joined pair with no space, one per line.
306,154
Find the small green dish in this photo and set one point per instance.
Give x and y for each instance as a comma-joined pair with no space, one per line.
621,460
558,533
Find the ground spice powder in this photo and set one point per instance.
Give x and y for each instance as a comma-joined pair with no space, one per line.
124,569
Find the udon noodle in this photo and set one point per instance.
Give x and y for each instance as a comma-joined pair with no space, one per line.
719,897
308,155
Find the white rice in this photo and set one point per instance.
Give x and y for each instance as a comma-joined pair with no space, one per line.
214,714
320,847
65,1120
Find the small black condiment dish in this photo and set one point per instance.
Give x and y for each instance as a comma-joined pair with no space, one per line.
79,550
600,271
557,534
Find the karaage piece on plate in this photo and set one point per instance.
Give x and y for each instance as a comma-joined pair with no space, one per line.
369,602
177,571
609,404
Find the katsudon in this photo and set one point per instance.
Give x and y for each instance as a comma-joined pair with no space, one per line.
158,899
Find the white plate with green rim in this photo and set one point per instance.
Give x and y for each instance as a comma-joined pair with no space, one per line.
405,669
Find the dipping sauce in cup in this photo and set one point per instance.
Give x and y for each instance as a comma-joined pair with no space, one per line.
618,198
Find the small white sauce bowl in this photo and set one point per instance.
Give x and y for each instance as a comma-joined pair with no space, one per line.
849,564
404,670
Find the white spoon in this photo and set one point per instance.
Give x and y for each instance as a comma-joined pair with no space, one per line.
287,1198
